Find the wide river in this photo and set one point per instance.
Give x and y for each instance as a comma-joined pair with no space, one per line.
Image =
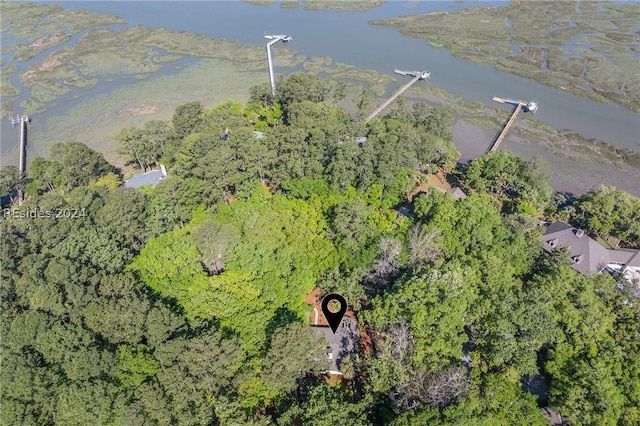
347,37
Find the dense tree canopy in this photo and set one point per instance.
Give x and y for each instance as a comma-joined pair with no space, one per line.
606,210
71,165
185,303
522,185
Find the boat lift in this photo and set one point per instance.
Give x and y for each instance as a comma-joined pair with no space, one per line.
273,39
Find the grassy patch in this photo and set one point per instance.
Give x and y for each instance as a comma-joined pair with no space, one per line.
7,88
289,4
31,106
6,108
210,81
436,91
80,82
283,57
26,51
51,68
166,59
343,67
483,122
106,52
342,5
319,64
44,26
260,2
114,60
47,91
377,82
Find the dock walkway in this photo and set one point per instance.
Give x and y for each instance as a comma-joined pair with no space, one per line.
505,129
392,98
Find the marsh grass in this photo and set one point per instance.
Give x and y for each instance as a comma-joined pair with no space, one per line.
318,64
210,81
31,106
342,5
526,130
26,51
107,53
165,59
114,60
47,91
483,122
260,2
7,88
49,69
598,66
6,108
377,82
81,82
343,67
289,4
25,22
284,58
322,64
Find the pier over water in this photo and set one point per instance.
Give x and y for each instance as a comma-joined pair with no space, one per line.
531,107
417,75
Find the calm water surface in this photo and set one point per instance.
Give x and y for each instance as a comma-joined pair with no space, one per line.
347,37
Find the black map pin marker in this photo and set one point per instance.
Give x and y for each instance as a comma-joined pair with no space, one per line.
334,318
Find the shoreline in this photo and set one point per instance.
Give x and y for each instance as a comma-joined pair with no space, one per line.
576,163
472,141
590,53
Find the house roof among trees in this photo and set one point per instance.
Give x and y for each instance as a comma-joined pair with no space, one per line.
585,253
626,256
152,177
346,340
457,193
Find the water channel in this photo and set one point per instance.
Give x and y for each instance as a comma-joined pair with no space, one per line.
348,38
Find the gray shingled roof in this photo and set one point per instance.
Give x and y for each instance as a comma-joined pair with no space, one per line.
585,253
152,177
457,193
625,256
345,341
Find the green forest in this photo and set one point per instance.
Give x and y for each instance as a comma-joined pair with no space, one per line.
184,303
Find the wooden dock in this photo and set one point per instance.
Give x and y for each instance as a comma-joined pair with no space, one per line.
22,121
391,99
22,159
506,127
